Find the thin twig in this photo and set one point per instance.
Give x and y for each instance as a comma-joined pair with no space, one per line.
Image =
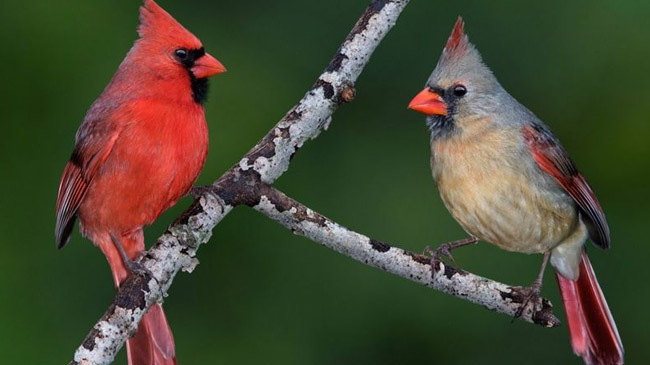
462,284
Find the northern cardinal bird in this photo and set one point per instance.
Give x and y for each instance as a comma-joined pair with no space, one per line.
508,181
139,149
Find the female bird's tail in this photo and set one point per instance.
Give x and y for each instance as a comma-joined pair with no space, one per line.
592,329
153,344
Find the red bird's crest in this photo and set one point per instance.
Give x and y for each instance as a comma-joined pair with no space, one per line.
458,41
157,24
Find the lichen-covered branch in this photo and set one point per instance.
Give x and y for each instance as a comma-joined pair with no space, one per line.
176,249
488,293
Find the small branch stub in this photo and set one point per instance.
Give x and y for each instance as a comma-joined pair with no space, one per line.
348,94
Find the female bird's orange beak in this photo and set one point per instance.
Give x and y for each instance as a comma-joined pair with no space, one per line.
207,66
429,103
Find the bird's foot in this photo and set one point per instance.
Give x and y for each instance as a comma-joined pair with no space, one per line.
135,267
532,293
527,295
197,191
445,250
442,250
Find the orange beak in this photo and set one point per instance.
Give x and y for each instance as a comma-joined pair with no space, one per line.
207,66
429,103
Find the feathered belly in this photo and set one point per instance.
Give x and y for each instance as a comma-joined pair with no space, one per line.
499,203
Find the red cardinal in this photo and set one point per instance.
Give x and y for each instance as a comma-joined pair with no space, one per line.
139,149
507,180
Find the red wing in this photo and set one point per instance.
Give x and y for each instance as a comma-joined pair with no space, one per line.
552,158
71,191
94,143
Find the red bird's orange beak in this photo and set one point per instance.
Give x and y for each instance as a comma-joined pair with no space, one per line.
429,103
207,66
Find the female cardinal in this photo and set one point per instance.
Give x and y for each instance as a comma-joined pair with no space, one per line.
507,180
139,149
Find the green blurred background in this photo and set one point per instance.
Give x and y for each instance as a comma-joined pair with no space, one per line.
263,295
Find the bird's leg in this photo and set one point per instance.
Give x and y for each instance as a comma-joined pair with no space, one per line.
445,250
532,292
134,268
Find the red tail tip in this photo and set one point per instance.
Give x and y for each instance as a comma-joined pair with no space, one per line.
593,331
153,344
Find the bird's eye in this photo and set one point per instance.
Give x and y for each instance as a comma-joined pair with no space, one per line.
460,90
181,54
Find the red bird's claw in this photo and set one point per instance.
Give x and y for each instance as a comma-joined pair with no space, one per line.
199,191
138,269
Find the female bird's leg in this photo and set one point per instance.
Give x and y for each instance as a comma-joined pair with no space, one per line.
135,268
445,250
532,292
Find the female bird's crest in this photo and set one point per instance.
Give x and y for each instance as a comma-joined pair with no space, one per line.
461,63
459,51
458,41
157,25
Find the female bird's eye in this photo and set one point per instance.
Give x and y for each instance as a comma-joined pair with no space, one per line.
181,54
460,90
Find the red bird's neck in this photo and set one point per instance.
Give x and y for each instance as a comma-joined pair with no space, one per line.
172,88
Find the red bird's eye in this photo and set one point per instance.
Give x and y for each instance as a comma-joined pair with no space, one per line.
181,54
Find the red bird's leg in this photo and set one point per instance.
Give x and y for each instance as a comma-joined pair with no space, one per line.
445,250
133,267
532,292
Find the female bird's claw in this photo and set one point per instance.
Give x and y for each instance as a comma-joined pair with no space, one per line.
442,250
445,250
526,295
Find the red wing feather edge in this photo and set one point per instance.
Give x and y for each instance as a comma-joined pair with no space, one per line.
552,158
94,144
71,191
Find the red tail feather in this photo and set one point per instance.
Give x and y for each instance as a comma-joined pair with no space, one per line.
153,344
593,332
